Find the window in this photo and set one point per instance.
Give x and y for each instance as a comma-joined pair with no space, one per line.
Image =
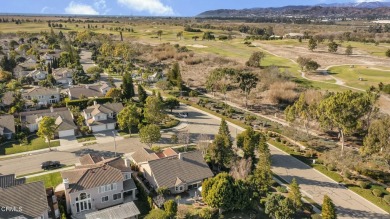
83,202
102,189
105,199
117,196
179,188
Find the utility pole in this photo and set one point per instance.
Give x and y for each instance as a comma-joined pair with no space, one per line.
113,133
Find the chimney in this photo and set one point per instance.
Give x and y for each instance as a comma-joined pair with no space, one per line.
87,86
66,183
95,103
180,156
58,90
51,109
127,162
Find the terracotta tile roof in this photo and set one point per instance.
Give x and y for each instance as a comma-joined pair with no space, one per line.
143,155
89,159
31,197
10,180
171,170
169,152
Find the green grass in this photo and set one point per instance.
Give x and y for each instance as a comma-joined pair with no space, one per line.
331,174
170,124
367,194
36,143
86,138
372,77
50,179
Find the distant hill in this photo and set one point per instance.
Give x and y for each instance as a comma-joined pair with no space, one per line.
351,10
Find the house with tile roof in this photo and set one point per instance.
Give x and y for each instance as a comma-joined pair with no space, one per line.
101,117
10,180
43,95
143,154
98,183
177,173
38,75
88,91
63,75
7,126
63,119
15,203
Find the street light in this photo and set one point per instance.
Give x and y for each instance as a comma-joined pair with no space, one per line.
113,133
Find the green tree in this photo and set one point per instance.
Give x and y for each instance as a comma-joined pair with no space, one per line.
328,208
248,141
220,80
295,194
150,134
114,93
127,86
344,111
174,75
94,69
349,50
279,207
302,62
154,110
47,128
312,65
301,111
332,47
142,95
255,59
218,192
387,53
157,214
247,81
159,33
170,208
221,152
224,129
312,44
171,103
261,179
377,139
129,117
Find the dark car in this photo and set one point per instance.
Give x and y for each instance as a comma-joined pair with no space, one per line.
50,165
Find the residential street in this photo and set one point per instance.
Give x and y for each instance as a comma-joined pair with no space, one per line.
312,183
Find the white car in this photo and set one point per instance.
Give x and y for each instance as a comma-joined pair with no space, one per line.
183,115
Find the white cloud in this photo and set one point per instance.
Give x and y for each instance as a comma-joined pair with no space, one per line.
44,9
78,8
154,7
100,4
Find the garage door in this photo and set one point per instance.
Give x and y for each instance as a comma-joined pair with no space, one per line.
66,133
111,126
98,128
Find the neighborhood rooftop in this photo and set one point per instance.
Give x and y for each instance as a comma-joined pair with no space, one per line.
122,211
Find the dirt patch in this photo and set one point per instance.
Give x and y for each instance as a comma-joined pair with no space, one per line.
197,46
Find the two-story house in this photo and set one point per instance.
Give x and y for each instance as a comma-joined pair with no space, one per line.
63,76
63,119
47,58
7,126
38,75
42,95
98,183
100,117
88,91
22,200
177,173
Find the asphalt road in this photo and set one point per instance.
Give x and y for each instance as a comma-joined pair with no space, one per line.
314,184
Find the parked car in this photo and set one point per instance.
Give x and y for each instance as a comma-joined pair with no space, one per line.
50,165
183,115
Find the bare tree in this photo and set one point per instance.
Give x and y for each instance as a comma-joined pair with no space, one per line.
184,138
241,168
203,143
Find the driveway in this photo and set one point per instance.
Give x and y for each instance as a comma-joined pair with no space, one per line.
68,142
107,136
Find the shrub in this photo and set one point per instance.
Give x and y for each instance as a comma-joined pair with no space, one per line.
193,93
277,139
377,192
193,61
331,167
363,184
282,189
347,174
386,198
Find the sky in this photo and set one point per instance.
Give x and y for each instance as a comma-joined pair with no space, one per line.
144,7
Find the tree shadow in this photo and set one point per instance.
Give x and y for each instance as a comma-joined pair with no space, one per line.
93,152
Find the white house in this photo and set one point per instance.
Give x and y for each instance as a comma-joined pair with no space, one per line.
63,75
98,183
43,95
38,75
100,117
63,119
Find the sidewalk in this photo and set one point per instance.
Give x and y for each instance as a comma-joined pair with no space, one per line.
48,172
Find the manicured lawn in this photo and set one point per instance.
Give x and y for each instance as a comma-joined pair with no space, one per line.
36,143
50,179
331,174
371,77
170,124
86,138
